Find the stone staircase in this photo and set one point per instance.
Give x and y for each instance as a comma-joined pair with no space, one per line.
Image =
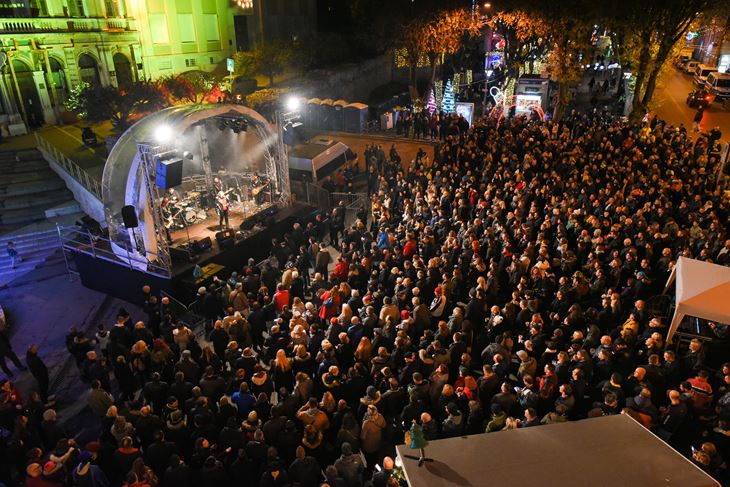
35,249
30,191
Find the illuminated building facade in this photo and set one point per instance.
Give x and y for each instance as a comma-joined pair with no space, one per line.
51,45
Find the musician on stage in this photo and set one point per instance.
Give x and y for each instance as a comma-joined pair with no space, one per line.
221,204
218,185
258,188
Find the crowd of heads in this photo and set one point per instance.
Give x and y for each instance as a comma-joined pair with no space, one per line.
512,280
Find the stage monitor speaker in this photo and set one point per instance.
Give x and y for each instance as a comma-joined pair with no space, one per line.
202,245
180,255
254,219
129,217
224,235
169,173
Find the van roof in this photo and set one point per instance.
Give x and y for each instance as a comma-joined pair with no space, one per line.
707,66
719,75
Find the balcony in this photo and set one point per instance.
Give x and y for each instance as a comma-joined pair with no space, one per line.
50,25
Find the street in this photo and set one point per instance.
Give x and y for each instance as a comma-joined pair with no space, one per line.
671,99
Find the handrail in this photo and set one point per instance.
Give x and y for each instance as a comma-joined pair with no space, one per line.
89,245
50,151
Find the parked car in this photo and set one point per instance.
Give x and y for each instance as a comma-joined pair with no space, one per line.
690,66
680,61
697,98
718,85
701,72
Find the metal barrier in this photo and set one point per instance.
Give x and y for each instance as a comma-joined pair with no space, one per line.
190,314
50,151
353,201
75,239
312,194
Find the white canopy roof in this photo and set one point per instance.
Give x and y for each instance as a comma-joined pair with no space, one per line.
703,291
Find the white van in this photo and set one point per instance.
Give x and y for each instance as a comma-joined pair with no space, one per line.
701,72
689,66
718,84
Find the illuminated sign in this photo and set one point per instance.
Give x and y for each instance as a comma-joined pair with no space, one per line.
526,103
466,110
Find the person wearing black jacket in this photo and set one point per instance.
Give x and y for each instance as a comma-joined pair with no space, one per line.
39,371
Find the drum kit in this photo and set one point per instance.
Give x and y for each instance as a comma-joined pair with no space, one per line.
188,211
183,210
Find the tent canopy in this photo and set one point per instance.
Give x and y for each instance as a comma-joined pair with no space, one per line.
609,451
703,290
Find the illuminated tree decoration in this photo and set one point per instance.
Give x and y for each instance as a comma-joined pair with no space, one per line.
457,81
439,90
469,76
431,104
448,105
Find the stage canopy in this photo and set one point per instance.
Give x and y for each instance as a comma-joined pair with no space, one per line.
256,148
609,451
703,291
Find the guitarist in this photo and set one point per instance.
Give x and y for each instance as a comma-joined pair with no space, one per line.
221,204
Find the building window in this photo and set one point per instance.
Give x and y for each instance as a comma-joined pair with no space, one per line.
76,8
39,8
190,63
187,27
112,8
158,29
210,22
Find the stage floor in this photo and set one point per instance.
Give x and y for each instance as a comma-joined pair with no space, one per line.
210,226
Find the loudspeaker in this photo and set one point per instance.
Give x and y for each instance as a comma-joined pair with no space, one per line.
202,245
169,173
224,235
180,255
129,216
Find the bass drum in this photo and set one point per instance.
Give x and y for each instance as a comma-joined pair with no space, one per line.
191,216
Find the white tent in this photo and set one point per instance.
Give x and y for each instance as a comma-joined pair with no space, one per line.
703,291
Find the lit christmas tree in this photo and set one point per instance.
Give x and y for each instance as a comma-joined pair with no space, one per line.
439,88
448,105
431,104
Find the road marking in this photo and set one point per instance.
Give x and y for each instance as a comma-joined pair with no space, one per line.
76,139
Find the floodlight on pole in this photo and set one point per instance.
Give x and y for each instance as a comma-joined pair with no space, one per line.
293,103
163,133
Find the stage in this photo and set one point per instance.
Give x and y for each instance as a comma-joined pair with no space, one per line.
608,451
208,227
106,274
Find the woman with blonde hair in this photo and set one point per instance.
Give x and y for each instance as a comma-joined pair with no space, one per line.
510,424
281,370
346,314
364,350
298,305
328,403
299,336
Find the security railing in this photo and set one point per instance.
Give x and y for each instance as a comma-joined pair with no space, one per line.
50,152
77,239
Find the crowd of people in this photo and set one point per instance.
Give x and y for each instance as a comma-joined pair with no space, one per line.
509,282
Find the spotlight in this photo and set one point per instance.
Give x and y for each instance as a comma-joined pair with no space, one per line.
292,103
188,155
163,133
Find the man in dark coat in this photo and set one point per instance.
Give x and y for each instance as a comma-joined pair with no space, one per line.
39,371
6,350
304,470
